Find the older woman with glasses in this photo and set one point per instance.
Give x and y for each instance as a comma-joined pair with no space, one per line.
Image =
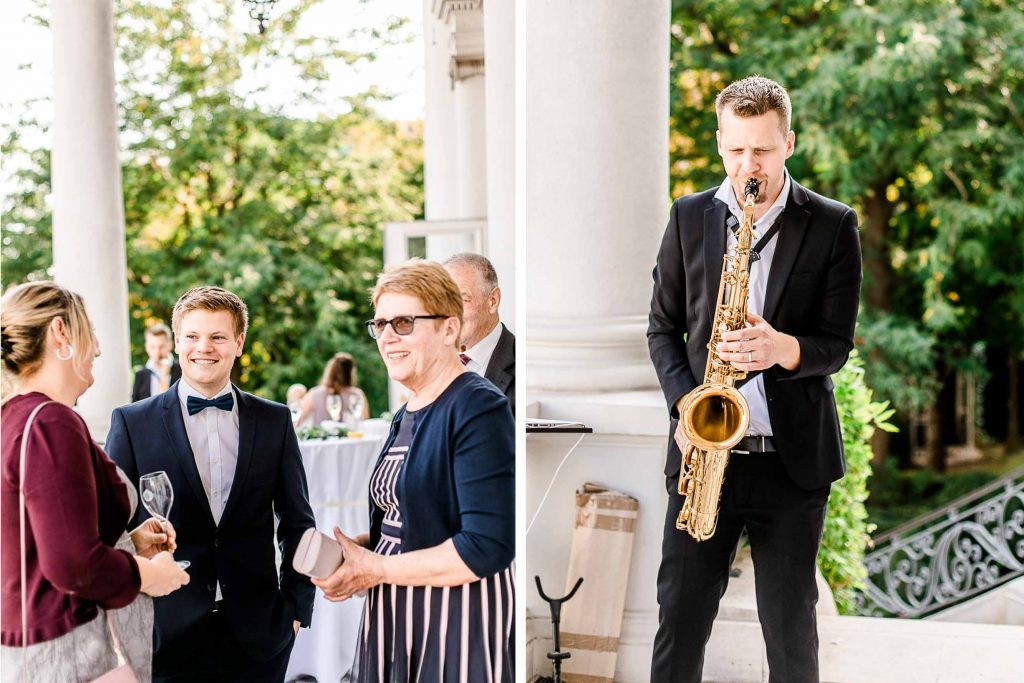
437,565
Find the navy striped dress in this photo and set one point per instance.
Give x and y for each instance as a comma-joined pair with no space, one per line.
460,634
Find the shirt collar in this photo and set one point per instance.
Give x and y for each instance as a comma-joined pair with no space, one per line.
150,365
726,195
483,349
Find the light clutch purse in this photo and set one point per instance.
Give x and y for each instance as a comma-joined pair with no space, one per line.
318,555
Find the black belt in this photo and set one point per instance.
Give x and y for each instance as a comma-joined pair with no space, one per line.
754,444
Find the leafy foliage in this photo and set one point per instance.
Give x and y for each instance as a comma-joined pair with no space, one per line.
319,432
219,188
847,530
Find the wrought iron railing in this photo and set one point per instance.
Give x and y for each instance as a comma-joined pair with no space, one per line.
968,547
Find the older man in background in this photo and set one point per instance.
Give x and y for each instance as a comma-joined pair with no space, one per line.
487,346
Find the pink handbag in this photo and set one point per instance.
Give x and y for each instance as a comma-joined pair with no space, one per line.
123,672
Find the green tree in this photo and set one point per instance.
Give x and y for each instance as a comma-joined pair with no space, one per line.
223,189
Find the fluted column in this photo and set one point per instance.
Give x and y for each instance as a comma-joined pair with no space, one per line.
88,211
597,188
439,125
454,123
499,29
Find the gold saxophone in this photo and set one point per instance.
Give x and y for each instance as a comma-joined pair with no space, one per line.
714,416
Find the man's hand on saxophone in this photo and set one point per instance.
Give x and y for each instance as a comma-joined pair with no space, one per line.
680,437
759,347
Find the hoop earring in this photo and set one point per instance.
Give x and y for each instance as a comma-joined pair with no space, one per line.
71,353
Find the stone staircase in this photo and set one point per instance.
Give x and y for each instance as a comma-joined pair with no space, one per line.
851,649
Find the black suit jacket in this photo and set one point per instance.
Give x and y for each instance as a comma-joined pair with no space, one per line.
141,388
813,293
269,478
501,369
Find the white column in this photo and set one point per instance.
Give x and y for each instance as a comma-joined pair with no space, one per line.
597,188
499,56
88,211
439,129
455,125
471,143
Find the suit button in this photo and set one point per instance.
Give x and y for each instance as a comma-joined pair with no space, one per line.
210,587
216,543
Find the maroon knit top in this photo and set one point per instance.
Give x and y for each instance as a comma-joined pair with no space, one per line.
76,509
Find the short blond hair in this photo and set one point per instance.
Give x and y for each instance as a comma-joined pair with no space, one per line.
755,96
428,281
27,311
158,330
209,298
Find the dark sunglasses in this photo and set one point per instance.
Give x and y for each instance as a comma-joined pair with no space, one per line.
401,324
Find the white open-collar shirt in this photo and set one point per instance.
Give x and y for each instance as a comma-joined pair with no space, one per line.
480,353
753,391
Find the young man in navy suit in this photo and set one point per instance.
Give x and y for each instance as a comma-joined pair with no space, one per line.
802,302
234,462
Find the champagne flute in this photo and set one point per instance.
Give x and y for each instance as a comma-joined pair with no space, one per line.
355,408
157,497
333,406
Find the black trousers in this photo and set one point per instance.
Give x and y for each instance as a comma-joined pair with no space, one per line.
210,653
784,524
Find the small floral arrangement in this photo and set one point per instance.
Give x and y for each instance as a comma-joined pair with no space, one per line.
310,432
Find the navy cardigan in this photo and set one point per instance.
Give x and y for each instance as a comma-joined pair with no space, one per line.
458,480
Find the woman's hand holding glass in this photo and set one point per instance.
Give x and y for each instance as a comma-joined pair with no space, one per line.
157,497
152,537
361,570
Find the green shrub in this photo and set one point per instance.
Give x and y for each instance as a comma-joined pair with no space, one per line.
847,530
903,495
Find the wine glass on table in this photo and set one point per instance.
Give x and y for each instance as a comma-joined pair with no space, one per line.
333,405
355,408
157,497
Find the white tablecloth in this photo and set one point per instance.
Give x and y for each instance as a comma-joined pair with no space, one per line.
338,471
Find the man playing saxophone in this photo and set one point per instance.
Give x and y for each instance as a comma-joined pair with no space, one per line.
803,293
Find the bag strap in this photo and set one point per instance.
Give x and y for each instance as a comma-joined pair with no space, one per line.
21,521
24,571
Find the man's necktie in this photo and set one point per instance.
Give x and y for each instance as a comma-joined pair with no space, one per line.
196,404
464,358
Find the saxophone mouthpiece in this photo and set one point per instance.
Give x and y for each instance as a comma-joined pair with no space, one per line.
751,188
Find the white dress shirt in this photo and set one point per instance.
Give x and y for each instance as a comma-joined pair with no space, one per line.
480,354
753,391
213,435
154,378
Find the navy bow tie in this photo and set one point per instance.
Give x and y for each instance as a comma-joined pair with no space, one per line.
196,404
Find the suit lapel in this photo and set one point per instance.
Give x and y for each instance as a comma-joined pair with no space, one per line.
174,423
714,250
794,226
246,440
502,358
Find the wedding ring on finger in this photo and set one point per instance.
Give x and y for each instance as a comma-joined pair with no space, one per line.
750,356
